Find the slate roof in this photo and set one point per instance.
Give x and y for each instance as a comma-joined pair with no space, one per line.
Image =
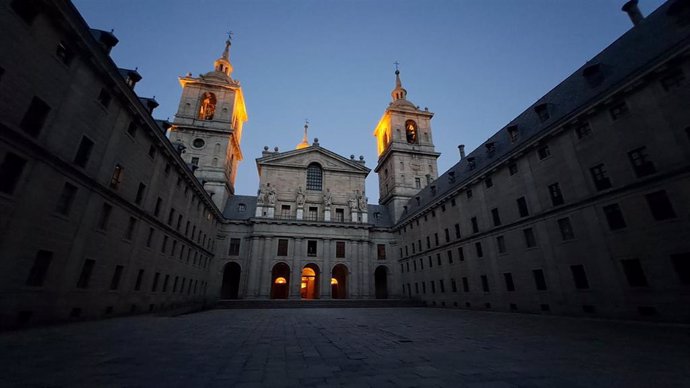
634,52
384,220
232,212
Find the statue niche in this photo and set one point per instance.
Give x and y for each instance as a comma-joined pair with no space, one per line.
208,106
411,131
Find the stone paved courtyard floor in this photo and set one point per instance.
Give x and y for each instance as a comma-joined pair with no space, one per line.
387,347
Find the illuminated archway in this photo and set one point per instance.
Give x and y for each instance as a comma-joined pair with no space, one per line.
231,281
381,282
339,282
309,288
280,281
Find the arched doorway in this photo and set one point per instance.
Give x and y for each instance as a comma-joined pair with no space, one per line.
280,281
309,289
381,282
339,282
231,281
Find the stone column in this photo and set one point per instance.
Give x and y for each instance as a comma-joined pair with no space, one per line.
259,211
266,268
254,269
326,270
366,269
296,270
353,216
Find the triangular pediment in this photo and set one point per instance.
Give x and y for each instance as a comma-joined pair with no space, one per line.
314,154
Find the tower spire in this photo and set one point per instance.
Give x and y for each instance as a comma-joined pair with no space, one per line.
399,93
305,140
223,64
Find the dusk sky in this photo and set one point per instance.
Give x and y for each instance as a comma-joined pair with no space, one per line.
475,64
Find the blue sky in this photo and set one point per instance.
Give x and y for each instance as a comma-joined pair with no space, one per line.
475,64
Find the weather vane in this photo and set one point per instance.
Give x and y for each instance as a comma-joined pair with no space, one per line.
396,63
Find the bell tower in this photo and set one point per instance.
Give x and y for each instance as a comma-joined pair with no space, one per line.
208,124
405,147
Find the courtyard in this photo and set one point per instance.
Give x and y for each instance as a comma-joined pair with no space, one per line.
376,347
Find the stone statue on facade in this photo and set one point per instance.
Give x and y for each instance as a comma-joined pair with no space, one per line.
271,195
352,202
327,199
363,202
261,195
300,197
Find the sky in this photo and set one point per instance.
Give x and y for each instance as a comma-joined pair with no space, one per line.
476,64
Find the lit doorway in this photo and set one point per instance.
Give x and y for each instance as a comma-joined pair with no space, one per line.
339,282
309,289
280,281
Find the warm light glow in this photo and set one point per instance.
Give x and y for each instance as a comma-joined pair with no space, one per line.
281,280
334,281
308,272
383,133
304,285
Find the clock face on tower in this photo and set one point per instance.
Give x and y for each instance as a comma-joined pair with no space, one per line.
411,131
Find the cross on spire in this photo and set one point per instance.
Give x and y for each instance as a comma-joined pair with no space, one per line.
396,63
230,34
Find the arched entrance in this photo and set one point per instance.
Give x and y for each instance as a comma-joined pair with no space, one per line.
381,282
280,281
231,281
309,289
339,282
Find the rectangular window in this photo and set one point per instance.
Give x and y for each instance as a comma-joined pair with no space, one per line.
465,284
468,193
579,277
116,179
85,275
417,183
132,129
619,110
234,247
311,248
152,151
640,162
38,271
510,285
66,199
140,278
457,231
436,238
340,249
530,241
512,168
681,263
501,244
431,263
285,211
461,253
428,242
282,247
496,217
421,263
340,215
488,182
10,172
83,152
131,227
35,117
600,178
154,286
450,257
660,206
157,209
614,216
543,152
447,234
475,225
539,279
117,275
453,285
441,286
478,248
513,133
313,213
106,210
522,207
485,283
433,286
634,273
438,259
381,251
140,193
104,98
556,194
179,222
149,238
566,229
583,130
171,216
195,161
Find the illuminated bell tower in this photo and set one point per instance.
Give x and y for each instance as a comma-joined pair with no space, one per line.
208,123
407,158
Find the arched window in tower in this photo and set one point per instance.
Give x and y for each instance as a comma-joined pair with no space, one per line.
314,177
411,131
208,106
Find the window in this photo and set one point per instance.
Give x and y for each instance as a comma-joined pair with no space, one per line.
313,214
140,277
512,168
453,285
35,117
490,148
475,225
496,217
106,210
539,280
340,249
614,216
457,231
195,161
179,222
285,211
431,263
381,252
241,208
485,283
26,9
522,207
38,271
117,177
10,172
543,152
510,285
579,277
131,227
601,180
468,193
556,194
583,130
149,238
660,206
465,284
513,133
171,216
132,129
673,79
450,257
566,229
104,98
83,152
438,259
441,285
85,276
542,111
436,238
478,248
311,248
530,241
501,244
447,235
417,183
340,215
234,247
488,182
640,162
314,177
681,263
152,151
433,286
461,253
64,203
117,275
471,164
619,110
634,273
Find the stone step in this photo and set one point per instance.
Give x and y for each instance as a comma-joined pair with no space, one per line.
314,303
